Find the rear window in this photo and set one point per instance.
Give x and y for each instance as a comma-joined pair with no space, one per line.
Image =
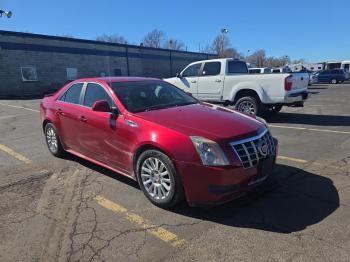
237,67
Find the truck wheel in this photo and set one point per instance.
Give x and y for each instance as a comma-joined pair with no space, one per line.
274,109
334,81
248,105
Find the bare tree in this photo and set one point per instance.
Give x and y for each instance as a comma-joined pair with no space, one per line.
299,61
220,44
112,39
232,53
277,61
258,58
154,38
174,44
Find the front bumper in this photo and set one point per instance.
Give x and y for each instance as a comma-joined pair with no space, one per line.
206,186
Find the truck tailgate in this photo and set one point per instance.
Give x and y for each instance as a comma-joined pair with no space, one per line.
300,81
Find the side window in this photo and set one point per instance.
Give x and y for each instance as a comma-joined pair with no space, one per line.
95,92
193,70
72,95
212,68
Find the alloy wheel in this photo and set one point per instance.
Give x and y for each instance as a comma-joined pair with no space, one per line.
51,139
246,107
156,178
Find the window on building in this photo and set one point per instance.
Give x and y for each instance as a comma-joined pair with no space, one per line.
72,73
212,69
72,95
29,74
95,92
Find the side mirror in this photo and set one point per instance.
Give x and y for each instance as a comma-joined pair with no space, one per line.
178,75
101,106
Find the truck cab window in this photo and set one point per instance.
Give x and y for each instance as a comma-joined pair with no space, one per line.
192,70
211,69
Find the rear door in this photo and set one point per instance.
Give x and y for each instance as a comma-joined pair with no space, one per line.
68,110
211,82
188,81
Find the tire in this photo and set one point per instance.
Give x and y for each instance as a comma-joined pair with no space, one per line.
274,109
53,141
164,191
334,81
249,105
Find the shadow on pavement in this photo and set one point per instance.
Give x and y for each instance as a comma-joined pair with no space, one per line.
309,119
291,200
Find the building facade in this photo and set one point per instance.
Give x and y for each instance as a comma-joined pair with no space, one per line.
32,64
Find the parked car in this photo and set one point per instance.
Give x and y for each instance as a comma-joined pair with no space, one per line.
281,70
227,82
333,76
258,70
158,135
312,78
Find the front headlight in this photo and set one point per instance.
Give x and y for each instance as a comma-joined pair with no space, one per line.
209,152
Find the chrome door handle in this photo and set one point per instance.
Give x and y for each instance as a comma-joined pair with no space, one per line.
131,123
60,112
83,119
193,81
218,80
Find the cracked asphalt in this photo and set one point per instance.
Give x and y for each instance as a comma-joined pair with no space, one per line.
49,212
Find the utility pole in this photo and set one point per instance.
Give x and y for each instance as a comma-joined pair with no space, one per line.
222,40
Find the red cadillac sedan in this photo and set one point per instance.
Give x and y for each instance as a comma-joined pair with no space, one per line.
174,146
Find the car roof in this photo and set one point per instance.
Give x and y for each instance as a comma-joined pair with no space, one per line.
119,79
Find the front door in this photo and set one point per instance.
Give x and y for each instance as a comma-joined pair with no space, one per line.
211,82
188,81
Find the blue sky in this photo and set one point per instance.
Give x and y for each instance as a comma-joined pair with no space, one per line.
310,29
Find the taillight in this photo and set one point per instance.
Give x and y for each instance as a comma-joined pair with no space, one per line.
288,81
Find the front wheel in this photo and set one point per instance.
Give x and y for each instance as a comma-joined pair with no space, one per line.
158,179
248,105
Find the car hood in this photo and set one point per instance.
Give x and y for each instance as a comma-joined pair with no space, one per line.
210,121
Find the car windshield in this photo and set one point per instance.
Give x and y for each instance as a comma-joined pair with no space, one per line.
149,95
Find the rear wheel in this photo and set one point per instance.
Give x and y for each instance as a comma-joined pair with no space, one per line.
158,179
53,141
334,81
248,105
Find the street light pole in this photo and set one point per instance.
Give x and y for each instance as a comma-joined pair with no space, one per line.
222,42
8,14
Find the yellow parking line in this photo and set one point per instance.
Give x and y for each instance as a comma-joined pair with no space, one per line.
312,129
20,107
156,231
292,159
14,154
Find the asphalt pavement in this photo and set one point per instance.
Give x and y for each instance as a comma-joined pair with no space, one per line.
68,209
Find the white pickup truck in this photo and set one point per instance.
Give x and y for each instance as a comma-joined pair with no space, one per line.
228,82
